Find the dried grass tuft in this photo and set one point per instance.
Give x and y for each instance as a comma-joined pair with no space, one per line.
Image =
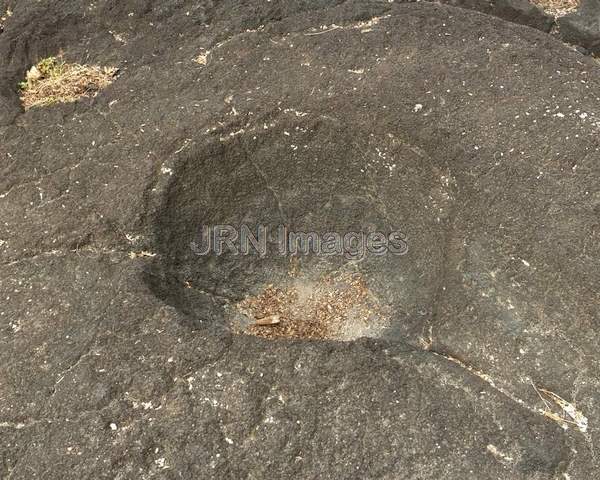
558,8
52,81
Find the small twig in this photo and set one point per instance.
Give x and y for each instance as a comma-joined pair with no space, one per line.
323,31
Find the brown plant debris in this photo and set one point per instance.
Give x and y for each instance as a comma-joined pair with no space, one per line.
52,80
569,414
334,307
558,8
202,58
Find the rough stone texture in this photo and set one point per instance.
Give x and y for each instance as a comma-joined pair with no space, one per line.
517,11
113,368
583,26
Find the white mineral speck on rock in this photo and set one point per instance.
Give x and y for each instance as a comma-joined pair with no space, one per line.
418,108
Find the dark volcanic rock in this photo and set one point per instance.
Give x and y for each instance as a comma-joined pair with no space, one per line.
475,137
583,26
517,11
372,180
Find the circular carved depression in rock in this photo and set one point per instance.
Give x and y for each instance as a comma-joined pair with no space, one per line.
353,224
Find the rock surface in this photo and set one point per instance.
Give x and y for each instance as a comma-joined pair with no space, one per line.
517,11
116,359
583,26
